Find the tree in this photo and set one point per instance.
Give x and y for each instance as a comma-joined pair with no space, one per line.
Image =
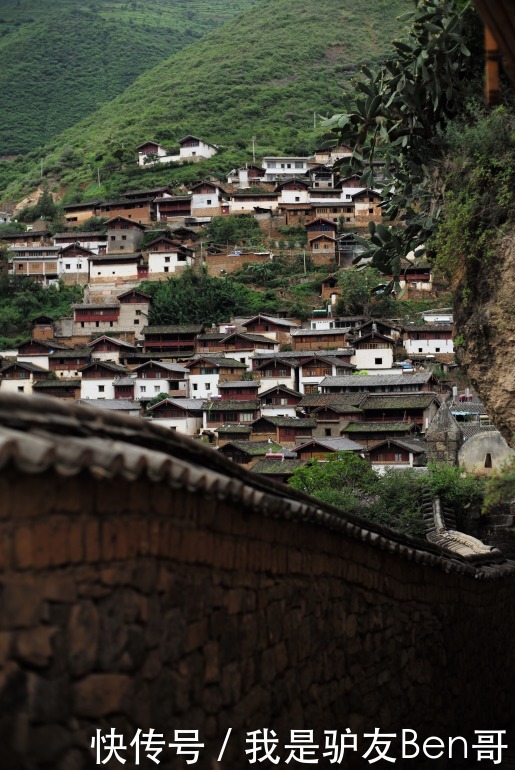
234,229
400,115
358,291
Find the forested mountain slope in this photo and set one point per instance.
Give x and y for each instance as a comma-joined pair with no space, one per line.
62,59
265,74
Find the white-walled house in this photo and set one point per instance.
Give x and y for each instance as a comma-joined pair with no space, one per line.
278,167
205,372
182,414
293,191
19,377
429,339
193,148
97,380
167,256
373,351
155,377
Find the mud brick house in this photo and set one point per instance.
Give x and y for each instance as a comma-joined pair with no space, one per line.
279,401
283,430
333,209
206,372
166,256
292,191
19,377
114,266
277,469
217,413
321,448
321,226
238,390
232,432
124,234
105,348
369,433
139,210
183,415
397,453
331,288
422,382
28,238
95,242
428,338
419,408
67,364
43,327
150,193
97,379
173,338
321,176
173,209
323,249
65,389
367,206
279,329
247,453
134,310
295,213
308,339
77,213
373,351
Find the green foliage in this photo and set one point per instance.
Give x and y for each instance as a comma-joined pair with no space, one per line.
160,397
359,292
21,299
394,498
302,59
234,230
8,228
401,112
195,297
500,488
62,59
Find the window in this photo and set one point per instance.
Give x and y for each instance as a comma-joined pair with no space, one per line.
371,211
208,386
378,361
97,324
67,267
246,416
21,388
101,388
327,431
136,322
113,237
195,386
82,324
297,199
167,259
298,165
156,388
124,237
111,324
143,388
488,458
167,269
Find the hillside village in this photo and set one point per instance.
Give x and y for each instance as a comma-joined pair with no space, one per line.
267,392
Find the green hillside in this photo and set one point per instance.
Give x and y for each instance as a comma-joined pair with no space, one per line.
264,74
62,59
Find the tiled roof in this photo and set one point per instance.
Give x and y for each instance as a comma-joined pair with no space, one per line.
82,353
398,401
470,429
271,319
173,329
375,380
254,448
239,384
230,406
466,407
24,365
428,328
105,365
56,383
333,399
282,388
333,444
217,361
112,404
114,340
96,305
318,332
378,427
290,422
190,404
163,365
277,467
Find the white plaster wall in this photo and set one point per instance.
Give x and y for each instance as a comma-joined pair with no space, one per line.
90,388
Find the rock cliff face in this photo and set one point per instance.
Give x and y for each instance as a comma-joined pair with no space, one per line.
485,321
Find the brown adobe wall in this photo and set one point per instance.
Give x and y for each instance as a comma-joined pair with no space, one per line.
132,604
231,263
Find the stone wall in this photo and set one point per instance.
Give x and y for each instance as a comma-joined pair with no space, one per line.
148,583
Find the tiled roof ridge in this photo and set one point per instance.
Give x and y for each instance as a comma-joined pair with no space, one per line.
38,435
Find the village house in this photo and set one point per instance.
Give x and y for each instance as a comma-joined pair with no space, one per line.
308,339
287,431
333,418
28,238
322,448
19,377
370,433
348,249
97,379
347,403
67,364
105,348
174,209
137,210
419,408
292,191
323,249
279,329
246,176
115,266
122,406
253,202
247,453
172,338
216,413
183,415
295,214
124,235
329,155
73,264
92,241
193,149
238,390
151,378
43,327
336,211
95,317
37,351
320,226
40,263
347,323
322,176
135,307
314,369
278,168
278,469
414,278
152,152
64,389
232,432
76,214
206,372
166,256
397,454
367,206
239,345
373,351
428,338
279,401
276,371
208,199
